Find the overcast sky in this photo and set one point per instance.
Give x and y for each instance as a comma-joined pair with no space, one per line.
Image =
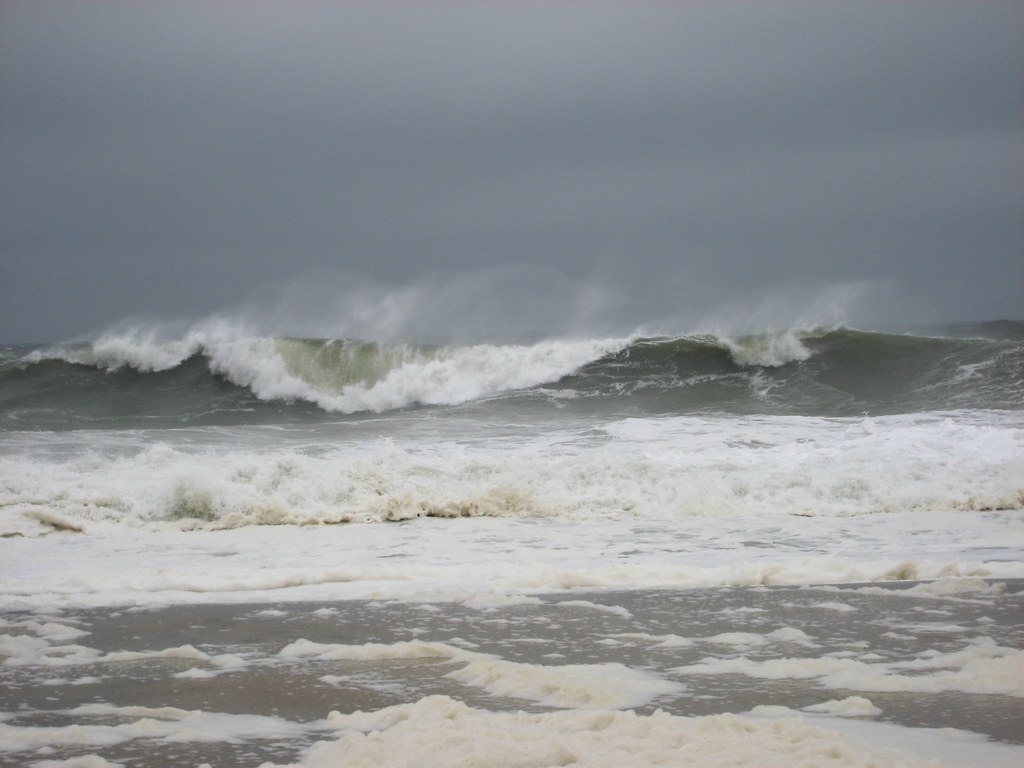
524,167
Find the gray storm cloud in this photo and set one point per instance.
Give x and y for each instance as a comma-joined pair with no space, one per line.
608,164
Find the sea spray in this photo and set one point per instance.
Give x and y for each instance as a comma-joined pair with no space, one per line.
768,350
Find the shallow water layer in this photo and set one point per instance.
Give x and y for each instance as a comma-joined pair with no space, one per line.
244,684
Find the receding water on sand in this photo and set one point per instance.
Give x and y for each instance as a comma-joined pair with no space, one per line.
243,684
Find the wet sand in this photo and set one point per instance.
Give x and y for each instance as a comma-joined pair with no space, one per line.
238,669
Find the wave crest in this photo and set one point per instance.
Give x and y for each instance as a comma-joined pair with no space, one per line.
769,350
344,375
348,377
188,379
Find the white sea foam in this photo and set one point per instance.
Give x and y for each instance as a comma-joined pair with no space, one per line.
660,641
645,502
82,761
982,667
151,723
617,610
484,562
39,646
582,686
851,706
671,502
438,731
834,606
767,350
949,589
679,467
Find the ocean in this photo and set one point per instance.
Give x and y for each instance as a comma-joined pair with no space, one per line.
796,547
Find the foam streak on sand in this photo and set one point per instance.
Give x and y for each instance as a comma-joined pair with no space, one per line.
439,731
444,732
581,686
981,667
584,674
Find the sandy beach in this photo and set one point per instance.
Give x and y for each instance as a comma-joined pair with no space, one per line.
131,682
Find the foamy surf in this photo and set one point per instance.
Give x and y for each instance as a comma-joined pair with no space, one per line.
674,468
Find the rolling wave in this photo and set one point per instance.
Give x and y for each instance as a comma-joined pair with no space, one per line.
209,374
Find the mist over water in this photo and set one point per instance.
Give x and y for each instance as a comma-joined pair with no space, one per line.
523,303
509,303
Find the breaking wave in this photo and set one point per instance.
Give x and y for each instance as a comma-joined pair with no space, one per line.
209,373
